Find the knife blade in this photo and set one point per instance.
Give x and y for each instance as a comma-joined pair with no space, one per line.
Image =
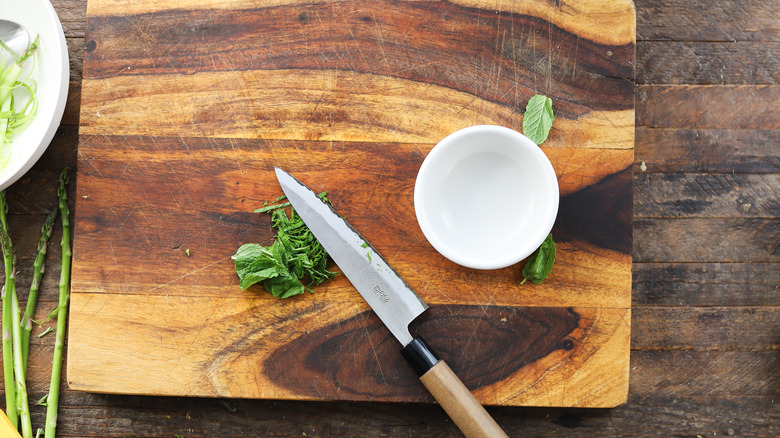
393,300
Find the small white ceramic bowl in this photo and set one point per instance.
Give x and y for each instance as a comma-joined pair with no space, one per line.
486,197
51,74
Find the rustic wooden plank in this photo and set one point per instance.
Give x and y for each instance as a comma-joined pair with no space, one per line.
705,374
708,107
431,280
72,15
76,59
575,168
706,284
708,63
724,20
705,240
111,107
669,416
588,19
521,55
710,328
72,18
706,195
70,116
217,336
686,417
707,150
688,392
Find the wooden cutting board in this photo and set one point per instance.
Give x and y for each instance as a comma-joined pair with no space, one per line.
185,111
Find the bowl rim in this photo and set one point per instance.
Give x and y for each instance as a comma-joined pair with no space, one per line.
504,259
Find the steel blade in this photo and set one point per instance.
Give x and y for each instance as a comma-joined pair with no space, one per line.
390,297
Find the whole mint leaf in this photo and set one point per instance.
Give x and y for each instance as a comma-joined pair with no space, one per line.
540,264
538,118
256,263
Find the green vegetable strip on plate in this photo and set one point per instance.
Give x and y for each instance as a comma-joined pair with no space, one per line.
13,116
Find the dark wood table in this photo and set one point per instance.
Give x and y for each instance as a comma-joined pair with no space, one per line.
706,283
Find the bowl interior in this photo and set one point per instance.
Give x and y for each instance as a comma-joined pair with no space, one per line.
486,197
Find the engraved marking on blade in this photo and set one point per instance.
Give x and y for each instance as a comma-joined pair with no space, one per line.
381,294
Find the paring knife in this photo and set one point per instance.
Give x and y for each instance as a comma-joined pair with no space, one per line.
393,300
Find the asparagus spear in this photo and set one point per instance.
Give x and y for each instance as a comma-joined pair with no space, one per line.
10,299
32,297
8,354
16,334
62,310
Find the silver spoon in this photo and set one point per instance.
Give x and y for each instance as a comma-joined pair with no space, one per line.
13,38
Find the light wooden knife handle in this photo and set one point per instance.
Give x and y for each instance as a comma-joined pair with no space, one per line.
458,402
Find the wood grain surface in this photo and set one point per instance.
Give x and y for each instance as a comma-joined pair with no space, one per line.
704,342
185,111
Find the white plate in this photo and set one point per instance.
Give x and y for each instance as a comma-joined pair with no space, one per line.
52,77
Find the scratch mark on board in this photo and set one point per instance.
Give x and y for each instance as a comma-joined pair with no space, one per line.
113,253
574,59
548,85
381,40
377,184
185,275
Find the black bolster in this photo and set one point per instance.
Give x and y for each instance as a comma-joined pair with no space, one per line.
420,356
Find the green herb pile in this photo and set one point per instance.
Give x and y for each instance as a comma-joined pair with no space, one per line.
18,103
537,123
294,257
